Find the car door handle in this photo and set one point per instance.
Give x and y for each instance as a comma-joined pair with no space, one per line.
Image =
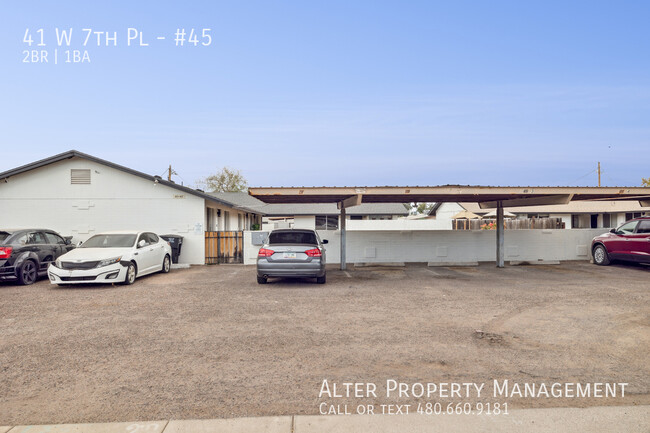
150,249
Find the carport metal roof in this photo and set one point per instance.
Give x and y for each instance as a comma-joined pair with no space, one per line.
487,197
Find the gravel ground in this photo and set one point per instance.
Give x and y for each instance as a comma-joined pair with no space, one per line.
208,342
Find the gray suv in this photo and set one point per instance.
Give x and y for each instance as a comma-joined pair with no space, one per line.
292,253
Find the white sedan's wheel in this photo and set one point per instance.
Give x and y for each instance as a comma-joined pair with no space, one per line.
130,275
166,265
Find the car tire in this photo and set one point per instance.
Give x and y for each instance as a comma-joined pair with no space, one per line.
27,273
167,264
601,257
321,280
131,273
261,280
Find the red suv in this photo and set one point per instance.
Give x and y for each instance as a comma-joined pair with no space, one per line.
630,242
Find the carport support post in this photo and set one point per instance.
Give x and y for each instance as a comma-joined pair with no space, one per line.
500,233
343,264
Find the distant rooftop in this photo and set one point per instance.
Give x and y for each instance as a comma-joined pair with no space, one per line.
574,207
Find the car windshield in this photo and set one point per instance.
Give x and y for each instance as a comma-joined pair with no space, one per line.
109,241
3,236
292,238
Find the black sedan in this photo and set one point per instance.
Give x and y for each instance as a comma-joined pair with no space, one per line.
25,254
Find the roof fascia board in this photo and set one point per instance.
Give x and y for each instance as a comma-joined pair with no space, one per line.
530,201
74,153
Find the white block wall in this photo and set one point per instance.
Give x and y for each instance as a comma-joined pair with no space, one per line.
115,200
398,225
451,245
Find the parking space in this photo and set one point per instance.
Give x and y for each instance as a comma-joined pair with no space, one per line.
209,342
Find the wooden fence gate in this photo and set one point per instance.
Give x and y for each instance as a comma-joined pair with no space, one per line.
224,247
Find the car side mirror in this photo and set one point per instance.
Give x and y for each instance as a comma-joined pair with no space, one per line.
612,231
142,243
68,240
325,241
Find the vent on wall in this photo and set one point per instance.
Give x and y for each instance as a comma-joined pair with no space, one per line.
79,176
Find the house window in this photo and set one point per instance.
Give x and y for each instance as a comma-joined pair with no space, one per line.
356,217
630,215
79,176
381,217
327,222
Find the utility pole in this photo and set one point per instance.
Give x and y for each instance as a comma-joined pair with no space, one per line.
598,173
170,172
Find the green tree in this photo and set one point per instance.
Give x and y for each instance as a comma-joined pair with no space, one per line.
418,208
224,180
645,182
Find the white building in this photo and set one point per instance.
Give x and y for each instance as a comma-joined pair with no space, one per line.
575,214
80,195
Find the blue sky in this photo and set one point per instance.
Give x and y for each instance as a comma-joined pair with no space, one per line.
338,93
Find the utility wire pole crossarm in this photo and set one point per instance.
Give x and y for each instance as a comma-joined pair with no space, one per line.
170,172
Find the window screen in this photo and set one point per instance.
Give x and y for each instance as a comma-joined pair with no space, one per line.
292,238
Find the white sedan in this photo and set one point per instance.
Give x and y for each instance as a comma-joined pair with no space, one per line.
112,257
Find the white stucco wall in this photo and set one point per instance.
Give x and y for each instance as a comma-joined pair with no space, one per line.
114,200
304,222
451,245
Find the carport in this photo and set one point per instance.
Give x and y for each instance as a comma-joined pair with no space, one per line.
487,196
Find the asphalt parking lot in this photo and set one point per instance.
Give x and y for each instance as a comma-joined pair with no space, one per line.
209,342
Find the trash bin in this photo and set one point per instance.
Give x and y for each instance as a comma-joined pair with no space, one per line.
176,243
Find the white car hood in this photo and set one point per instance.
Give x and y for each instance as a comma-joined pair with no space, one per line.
91,254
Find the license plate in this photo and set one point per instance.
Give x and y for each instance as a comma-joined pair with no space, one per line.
289,255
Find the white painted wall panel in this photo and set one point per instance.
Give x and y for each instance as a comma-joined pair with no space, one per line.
451,245
114,200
